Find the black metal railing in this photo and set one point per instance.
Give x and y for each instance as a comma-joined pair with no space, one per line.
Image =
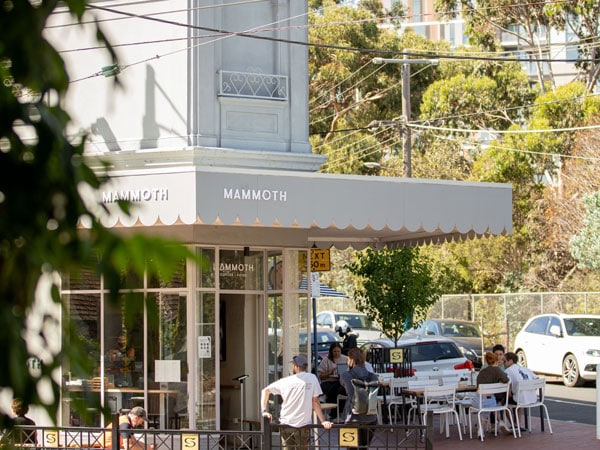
381,437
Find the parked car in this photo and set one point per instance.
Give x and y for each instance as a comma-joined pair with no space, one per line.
566,345
467,336
325,337
427,354
366,329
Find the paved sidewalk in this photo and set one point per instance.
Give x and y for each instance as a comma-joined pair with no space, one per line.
565,436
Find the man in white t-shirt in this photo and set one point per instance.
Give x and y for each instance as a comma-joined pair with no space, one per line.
516,374
300,393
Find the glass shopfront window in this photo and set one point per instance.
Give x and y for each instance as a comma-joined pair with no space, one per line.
178,349
205,362
241,270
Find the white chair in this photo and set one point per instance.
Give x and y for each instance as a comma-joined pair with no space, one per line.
530,393
485,391
425,374
450,379
420,384
441,400
396,400
417,384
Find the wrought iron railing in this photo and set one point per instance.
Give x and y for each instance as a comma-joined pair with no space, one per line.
253,85
381,437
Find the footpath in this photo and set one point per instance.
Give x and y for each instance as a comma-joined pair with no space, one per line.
565,436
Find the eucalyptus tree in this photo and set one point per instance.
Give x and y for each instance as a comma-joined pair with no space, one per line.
531,24
349,95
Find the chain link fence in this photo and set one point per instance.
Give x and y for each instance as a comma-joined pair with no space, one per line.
501,316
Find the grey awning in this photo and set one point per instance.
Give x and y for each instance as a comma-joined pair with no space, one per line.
267,207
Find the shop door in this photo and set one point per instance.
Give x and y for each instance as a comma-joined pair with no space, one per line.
240,374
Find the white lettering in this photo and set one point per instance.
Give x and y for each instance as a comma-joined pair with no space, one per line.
255,194
136,195
236,267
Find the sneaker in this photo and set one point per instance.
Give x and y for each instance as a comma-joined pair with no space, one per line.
505,428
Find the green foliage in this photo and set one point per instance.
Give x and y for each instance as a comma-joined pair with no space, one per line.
393,287
348,92
585,246
41,209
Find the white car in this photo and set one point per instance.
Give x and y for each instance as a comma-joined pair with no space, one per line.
359,323
566,345
427,354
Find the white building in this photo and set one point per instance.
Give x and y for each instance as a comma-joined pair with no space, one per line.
208,137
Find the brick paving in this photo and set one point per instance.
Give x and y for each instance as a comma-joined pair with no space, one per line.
565,436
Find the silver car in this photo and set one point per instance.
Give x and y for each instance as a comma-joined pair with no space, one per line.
566,345
467,336
427,354
358,321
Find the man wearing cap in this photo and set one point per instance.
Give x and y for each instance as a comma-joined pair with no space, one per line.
135,418
300,393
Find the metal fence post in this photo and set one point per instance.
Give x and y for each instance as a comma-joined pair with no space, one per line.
115,437
429,431
267,434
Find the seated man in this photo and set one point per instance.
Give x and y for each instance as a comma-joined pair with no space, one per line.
517,373
127,422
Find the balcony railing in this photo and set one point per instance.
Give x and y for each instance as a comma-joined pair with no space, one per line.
253,85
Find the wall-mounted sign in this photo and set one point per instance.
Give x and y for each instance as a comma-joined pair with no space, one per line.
204,347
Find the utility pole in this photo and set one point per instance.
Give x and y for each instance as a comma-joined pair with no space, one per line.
405,133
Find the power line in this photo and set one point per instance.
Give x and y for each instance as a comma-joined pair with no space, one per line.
526,131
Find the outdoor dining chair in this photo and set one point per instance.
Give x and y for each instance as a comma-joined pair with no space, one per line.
441,400
397,401
527,391
490,390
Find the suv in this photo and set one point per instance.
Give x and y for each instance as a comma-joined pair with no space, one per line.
427,354
466,335
358,321
566,345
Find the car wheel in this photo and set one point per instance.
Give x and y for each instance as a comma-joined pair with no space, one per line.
522,359
570,372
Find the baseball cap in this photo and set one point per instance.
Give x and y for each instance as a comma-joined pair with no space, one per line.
300,361
138,411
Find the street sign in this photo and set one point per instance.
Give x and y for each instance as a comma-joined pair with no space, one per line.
319,260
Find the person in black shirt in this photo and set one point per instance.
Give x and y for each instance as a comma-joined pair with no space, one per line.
20,409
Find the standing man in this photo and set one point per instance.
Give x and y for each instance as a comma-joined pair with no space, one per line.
350,337
300,393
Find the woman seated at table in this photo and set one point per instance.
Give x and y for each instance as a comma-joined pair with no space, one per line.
491,373
328,373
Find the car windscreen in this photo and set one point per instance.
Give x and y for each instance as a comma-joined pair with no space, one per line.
583,326
356,321
434,351
453,329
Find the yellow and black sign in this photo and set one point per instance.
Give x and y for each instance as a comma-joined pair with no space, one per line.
396,355
319,260
51,438
348,437
189,441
